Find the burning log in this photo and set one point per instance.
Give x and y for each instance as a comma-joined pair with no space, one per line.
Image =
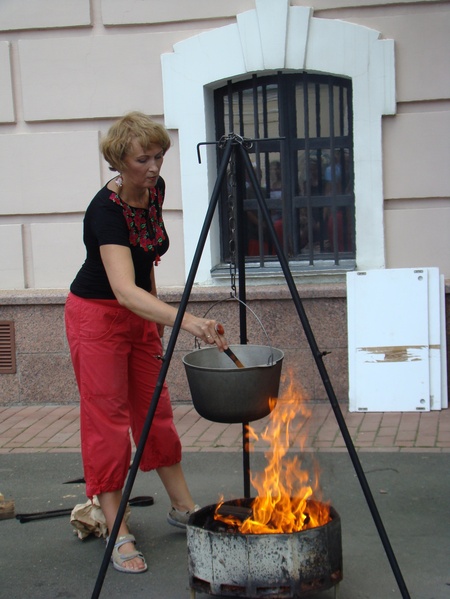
238,512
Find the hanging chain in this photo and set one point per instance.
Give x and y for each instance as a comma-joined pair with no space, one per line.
232,201
232,241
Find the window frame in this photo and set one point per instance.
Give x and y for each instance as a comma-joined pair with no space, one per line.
228,100
292,40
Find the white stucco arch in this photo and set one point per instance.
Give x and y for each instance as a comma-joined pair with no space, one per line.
277,36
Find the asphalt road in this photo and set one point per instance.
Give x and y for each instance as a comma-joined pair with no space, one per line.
44,559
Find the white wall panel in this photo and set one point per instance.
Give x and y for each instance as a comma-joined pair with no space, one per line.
6,90
38,14
435,317
388,341
443,345
58,253
11,257
48,172
92,77
394,340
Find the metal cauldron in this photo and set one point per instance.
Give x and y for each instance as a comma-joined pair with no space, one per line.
221,392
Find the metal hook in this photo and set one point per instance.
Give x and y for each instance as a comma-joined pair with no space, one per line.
205,143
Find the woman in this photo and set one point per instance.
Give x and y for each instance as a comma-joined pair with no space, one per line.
114,322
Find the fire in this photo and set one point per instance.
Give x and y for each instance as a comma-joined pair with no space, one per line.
285,495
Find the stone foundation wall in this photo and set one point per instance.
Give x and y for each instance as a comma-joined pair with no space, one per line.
44,371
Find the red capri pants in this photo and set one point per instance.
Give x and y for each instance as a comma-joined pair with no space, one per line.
114,355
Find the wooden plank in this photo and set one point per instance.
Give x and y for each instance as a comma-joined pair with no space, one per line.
7,508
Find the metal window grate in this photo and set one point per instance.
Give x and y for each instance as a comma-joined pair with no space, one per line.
7,347
303,160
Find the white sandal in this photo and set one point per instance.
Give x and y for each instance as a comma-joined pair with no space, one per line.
180,519
118,559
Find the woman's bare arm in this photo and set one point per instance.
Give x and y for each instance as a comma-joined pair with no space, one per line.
154,292
120,270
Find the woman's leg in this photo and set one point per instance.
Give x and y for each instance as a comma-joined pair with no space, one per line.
110,502
172,477
98,339
163,448
97,336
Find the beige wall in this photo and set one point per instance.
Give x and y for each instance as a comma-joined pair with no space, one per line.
64,76
68,69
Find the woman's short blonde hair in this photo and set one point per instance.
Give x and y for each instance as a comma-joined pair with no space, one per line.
133,126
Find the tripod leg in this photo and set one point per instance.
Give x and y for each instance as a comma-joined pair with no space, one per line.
318,357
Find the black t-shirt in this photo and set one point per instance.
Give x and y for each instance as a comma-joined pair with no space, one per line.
109,220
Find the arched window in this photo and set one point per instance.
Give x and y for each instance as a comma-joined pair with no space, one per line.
303,159
314,56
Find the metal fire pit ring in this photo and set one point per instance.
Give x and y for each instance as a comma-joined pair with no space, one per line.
275,566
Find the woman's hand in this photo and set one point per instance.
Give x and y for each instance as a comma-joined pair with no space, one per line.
209,331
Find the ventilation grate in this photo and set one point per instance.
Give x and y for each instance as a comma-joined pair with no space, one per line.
7,347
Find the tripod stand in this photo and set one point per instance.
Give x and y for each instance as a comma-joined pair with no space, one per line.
235,144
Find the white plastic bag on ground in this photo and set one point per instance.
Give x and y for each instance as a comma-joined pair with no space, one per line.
88,518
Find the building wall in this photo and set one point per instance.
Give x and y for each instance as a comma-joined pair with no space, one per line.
44,371
68,69
45,375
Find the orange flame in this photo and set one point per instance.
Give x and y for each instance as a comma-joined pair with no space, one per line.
284,490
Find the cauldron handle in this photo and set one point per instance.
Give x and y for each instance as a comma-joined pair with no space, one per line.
233,297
